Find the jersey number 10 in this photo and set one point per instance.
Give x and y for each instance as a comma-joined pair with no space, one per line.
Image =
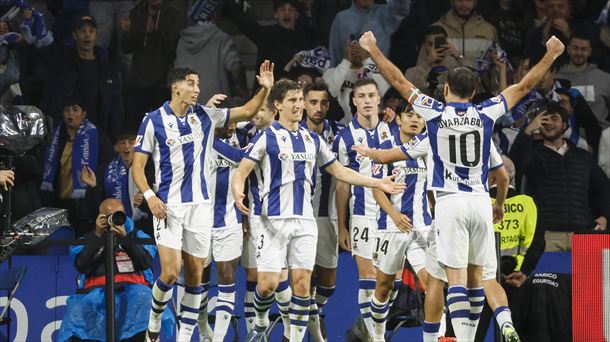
464,158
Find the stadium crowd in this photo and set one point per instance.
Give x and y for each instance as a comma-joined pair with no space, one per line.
98,69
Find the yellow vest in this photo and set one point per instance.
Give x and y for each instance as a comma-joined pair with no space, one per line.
518,226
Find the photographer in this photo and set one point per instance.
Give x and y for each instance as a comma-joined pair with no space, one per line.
86,310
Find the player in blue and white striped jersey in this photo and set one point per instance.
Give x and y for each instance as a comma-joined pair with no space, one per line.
227,235
178,137
460,142
367,129
327,252
288,155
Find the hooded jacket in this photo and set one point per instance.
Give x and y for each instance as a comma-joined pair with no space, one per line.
211,52
381,19
471,38
594,85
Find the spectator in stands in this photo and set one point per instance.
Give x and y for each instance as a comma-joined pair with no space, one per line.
604,152
278,42
109,15
593,83
70,161
363,16
467,30
86,310
437,57
560,23
510,23
82,72
584,130
355,65
151,35
316,18
211,52
569,188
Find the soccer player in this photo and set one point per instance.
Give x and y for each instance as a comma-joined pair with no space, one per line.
288,155
365,128
227,235
435,274
178,137
403,224
460,141
327,252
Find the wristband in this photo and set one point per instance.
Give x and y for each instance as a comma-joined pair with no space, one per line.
148,194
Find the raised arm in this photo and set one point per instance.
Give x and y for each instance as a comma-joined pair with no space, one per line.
389,71
514,93
249,110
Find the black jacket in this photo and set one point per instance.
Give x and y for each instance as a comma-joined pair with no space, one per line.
92,259
60,83
570,191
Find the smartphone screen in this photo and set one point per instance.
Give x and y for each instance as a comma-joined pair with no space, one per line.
439,41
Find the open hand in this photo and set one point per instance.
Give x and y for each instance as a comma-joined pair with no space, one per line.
265,75
7,178
362,150
157,208
387,185
87,176
402,222
498,212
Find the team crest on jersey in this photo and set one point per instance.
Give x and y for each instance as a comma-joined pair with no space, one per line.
330,139
193,120
384,135
307,138
138,140
376,169
425,101
375,256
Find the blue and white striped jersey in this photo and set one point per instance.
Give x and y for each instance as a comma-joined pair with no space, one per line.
179,147
460,141
225,158
362,202
413,202
324,191
287,160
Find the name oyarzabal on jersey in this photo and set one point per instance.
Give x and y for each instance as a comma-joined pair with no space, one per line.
288,160
460,141
179,147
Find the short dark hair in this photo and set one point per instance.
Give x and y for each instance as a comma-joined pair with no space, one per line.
280,89
178,74
462,82
279,3
364,82
570,95
582,35
74,100
316,86
124,136
435,30
555,108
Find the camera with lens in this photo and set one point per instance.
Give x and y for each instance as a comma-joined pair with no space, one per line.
508,263
117,218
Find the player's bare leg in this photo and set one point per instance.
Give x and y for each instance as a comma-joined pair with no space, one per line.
433,308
